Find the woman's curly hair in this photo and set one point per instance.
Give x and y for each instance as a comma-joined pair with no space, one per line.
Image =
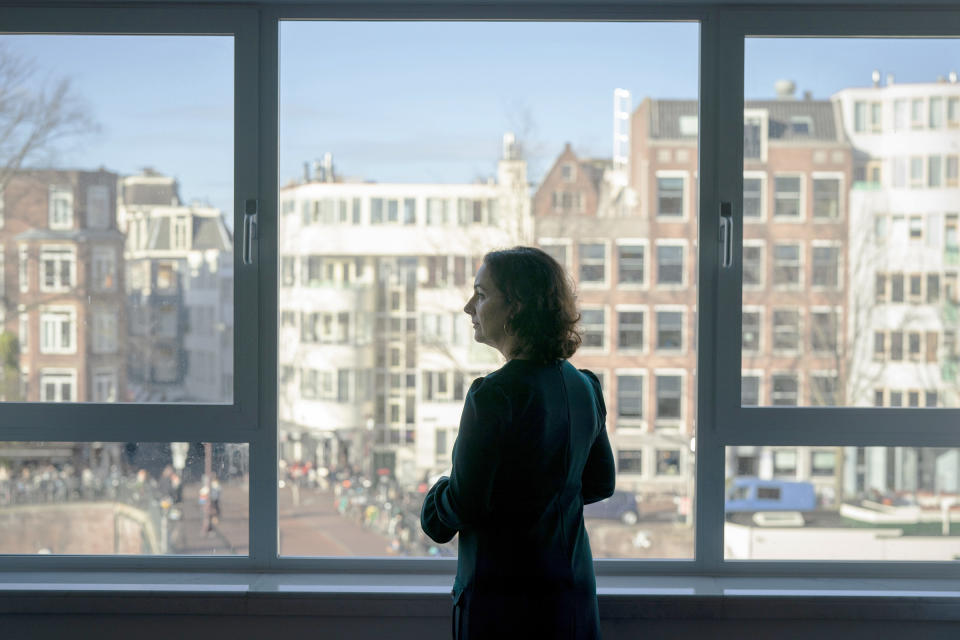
545,321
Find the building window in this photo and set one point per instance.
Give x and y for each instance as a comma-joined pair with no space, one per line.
58,385
900,121
823,331
630,329
670,197
670,330
105,386
933,288
668,462
568,172
896,287
104,268
786,196
785,388
630,263
785,462
934,172
556,251
630,461
61,208
752,198
786,265
180,232
786,330
896,346
750,391
916,113
826,266
287,271
592,328
826,198
952,171
916,171
57,268
669,264
752,265
859,116
105,331
98,207
437,211
567,201
824,390
593,258
669,397
630,397
936,113
823,463
58,330
23,332
751,331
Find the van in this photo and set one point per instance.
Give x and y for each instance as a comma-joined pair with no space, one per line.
753,494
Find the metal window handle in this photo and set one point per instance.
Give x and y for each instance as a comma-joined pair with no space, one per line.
726,235
250,210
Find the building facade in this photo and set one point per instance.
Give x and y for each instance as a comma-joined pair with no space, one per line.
375,352
62,284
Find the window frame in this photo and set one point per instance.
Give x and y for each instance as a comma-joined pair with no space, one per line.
821,427
721,421
240,421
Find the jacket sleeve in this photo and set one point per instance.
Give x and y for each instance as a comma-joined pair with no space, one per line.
599,474
465,498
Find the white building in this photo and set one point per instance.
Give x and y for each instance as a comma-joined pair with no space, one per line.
903,324
179,293
375,352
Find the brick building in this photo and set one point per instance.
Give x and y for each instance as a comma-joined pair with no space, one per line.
62,284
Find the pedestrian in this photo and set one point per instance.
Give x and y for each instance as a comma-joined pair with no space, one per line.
531,451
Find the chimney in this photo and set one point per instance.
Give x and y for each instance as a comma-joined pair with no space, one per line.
509,146
328,167
953,77
875,76
306,172
808,95
784,89
890,79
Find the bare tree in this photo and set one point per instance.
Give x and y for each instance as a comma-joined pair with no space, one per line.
36,116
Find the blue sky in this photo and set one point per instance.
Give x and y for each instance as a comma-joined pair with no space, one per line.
418,102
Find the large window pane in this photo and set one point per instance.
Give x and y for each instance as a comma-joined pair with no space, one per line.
115,498
375,352
116,250
869,278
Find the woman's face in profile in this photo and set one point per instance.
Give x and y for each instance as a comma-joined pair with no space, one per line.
488,310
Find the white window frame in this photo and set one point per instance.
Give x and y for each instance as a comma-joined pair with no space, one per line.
685,264
566,243
58,375
646,340
841,196
633,242
58,254
760,310
98,379
668,424
52,319
801,216
830,244
103,264
58,196
801,266
594,284
634,425
764,192
105,330
607,330
762,244
684,329
684,177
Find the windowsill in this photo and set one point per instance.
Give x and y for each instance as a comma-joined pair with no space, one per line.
337,595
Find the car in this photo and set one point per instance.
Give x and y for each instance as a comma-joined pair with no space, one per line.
622,506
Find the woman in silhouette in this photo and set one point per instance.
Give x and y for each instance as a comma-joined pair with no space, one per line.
531,451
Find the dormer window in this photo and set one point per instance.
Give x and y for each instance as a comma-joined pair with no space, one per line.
568,172
801,125
61,208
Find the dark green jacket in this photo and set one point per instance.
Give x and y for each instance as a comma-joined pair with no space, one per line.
531,451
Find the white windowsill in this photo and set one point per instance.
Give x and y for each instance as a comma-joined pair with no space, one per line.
223,593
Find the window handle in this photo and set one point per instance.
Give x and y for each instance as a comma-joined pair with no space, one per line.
250,210
726,235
